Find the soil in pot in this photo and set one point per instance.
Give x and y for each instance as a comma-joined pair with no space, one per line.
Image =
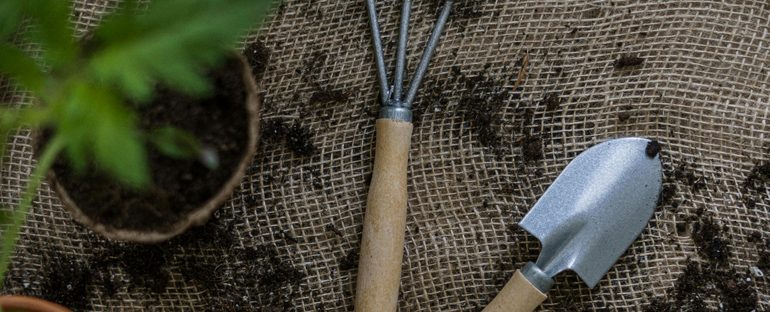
179,186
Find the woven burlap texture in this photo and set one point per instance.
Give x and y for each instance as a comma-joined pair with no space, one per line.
702,90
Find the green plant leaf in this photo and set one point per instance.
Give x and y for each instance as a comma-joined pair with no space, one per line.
16,64
173,43
14,118
94,122
10,15
52,31
175,143
5,216
11,234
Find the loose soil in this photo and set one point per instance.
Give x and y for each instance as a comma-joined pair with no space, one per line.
652,149
532,148
627,61
327,96
298,137
258,56
764,258
462,10
480,105
734,291
711,243
66,282
179,186
685,173
551,101
625,113
209,261
755,184
349,261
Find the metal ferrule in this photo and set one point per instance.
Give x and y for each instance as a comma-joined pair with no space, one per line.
537,277
398,113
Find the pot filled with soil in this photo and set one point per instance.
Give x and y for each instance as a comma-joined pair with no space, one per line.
184,191
29,304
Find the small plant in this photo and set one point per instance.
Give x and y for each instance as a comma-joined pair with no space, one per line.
85,90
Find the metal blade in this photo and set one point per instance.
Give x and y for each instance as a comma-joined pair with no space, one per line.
595,208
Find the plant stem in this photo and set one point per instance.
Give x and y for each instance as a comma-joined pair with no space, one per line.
45,162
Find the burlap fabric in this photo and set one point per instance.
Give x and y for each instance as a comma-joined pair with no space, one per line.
701,89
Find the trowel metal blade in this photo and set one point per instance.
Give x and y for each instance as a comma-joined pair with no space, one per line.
595,208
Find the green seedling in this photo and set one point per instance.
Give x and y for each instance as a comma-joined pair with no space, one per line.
86,90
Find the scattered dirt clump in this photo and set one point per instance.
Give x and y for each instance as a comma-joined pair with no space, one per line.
145,265
480,105
462,10
551,101
652,149
626,61
625,113
711,245
758,177
349,261
764,259
686,174
532,148
734,291
259,267
755,184
298,137
299,140
311,69
258,55
66,282
667,194
327,96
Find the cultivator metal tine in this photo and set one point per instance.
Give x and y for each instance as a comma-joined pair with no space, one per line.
428,54
403,37
378,55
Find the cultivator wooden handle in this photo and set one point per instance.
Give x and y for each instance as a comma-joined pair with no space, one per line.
382,244
518,295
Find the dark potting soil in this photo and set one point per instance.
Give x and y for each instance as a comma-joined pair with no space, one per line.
711,244
758,177
764,258
327,96
481,104
652,149
462,10
298,137
685,173
625,61
551,101
258,56
66,282
349,261
532,148
734,291
218,121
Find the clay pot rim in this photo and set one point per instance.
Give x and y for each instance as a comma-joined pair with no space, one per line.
195,217
31,304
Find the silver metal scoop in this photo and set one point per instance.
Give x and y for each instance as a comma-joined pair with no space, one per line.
593,211
587,218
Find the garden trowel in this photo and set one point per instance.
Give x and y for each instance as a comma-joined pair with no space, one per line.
587,218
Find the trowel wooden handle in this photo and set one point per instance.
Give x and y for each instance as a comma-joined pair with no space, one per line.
382,243
518,295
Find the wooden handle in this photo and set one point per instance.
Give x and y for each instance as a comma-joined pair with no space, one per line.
518,295
382,243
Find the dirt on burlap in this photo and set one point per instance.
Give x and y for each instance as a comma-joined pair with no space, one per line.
690,74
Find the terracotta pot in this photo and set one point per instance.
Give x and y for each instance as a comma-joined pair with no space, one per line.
29,304
198,216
